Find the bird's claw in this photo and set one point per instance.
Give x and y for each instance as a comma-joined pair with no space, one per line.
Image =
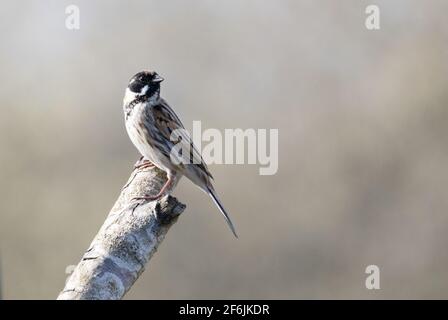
147,198
143,165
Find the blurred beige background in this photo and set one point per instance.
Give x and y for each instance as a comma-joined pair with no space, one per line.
362,118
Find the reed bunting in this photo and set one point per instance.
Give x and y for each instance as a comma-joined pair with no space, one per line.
150,122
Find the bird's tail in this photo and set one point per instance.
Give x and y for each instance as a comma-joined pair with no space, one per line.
218,203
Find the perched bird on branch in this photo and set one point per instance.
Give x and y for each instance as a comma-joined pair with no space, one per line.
155,130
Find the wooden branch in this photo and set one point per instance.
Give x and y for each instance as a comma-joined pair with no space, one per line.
126,242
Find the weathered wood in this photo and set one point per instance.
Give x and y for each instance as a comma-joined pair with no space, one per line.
126,242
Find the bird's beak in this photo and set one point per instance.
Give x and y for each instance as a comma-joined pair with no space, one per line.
157,79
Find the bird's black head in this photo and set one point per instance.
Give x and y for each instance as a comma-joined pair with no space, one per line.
145,83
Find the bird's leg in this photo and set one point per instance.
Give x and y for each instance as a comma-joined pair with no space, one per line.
143,164
161,192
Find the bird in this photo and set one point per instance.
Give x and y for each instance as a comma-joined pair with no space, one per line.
150,123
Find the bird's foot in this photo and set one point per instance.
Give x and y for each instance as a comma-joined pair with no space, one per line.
143,164
149,197
159,195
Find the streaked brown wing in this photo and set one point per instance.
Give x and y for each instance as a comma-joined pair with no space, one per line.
166,122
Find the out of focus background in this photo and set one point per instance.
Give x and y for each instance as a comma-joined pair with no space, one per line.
363,143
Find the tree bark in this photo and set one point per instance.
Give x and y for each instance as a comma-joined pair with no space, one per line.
126,242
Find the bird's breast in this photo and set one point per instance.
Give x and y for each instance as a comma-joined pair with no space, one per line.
138,124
